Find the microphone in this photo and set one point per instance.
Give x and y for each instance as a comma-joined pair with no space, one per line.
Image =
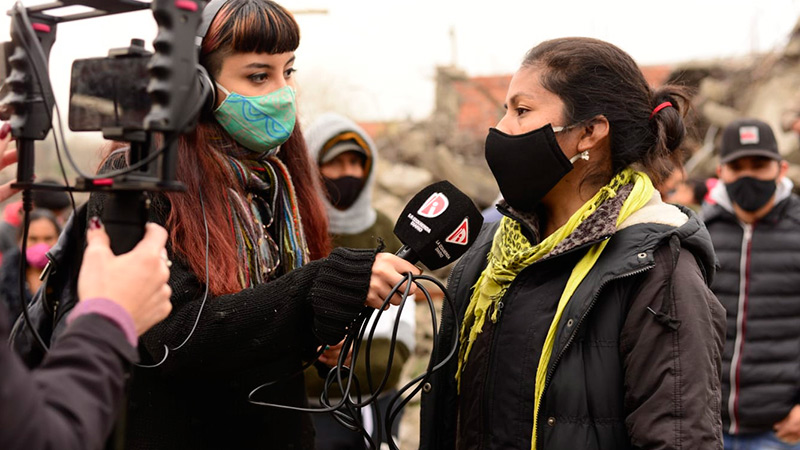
437,226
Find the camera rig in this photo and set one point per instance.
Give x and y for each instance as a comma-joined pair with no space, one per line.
175,90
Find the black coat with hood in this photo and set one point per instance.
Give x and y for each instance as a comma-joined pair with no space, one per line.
758,282
636,358
70,402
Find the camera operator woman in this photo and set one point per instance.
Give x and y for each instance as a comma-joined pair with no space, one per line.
585,318
274,293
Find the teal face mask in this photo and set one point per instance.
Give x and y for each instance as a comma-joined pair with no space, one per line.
260,123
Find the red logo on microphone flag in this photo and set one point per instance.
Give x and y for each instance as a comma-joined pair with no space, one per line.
461,235
434,206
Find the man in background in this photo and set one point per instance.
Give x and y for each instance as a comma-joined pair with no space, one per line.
347,157
755,229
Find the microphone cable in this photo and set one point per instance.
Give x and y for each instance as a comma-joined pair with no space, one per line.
202,303
346,410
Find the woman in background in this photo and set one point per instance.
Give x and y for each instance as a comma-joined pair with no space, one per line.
43,233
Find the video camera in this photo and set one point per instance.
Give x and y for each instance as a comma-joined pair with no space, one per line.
132,95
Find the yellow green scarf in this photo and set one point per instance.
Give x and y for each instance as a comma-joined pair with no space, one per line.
511,252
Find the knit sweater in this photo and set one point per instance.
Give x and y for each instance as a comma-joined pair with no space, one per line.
198,398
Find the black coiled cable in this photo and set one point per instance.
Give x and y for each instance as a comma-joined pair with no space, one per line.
346,410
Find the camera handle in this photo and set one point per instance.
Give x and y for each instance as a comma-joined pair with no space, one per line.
173,88
30,100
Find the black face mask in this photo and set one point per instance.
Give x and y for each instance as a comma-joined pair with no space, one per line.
343,191
527,166
751,193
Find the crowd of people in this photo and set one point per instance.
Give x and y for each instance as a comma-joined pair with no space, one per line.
609,302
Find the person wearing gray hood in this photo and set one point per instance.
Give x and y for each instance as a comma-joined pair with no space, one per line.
347,158
755,228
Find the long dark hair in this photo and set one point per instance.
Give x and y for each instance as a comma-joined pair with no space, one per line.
240,26
593,78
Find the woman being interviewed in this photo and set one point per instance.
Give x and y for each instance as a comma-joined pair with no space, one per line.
585,318
272,299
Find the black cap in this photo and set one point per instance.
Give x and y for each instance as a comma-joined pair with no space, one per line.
748,137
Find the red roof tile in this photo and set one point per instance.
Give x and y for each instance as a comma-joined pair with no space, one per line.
481,98
374,129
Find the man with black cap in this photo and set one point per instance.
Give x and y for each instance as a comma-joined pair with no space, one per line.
755,229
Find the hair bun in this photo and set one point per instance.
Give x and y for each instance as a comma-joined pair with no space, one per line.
667,118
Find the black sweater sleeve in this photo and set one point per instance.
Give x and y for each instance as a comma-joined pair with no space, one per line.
277,322
274,321
71,401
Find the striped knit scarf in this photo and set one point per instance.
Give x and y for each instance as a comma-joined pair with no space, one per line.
269,201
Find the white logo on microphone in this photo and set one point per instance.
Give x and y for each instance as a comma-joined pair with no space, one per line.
434,206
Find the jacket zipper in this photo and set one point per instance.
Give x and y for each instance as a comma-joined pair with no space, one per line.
500,305
741,316
572,338
486,398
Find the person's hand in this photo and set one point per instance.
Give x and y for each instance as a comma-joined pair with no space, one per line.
136,280
330,357
788,429
387,271
8,156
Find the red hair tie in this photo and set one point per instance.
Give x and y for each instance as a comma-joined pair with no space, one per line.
659,108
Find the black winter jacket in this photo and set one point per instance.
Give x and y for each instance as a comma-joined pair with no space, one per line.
636,360
759,284
72,400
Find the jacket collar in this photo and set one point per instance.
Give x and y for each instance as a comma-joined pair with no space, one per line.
645,232
657,212
60,252
640,234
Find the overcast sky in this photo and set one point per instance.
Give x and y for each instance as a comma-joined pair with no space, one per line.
376,59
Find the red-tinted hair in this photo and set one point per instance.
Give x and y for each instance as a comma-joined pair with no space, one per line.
240,26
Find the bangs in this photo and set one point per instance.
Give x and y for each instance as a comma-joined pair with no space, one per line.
260,26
